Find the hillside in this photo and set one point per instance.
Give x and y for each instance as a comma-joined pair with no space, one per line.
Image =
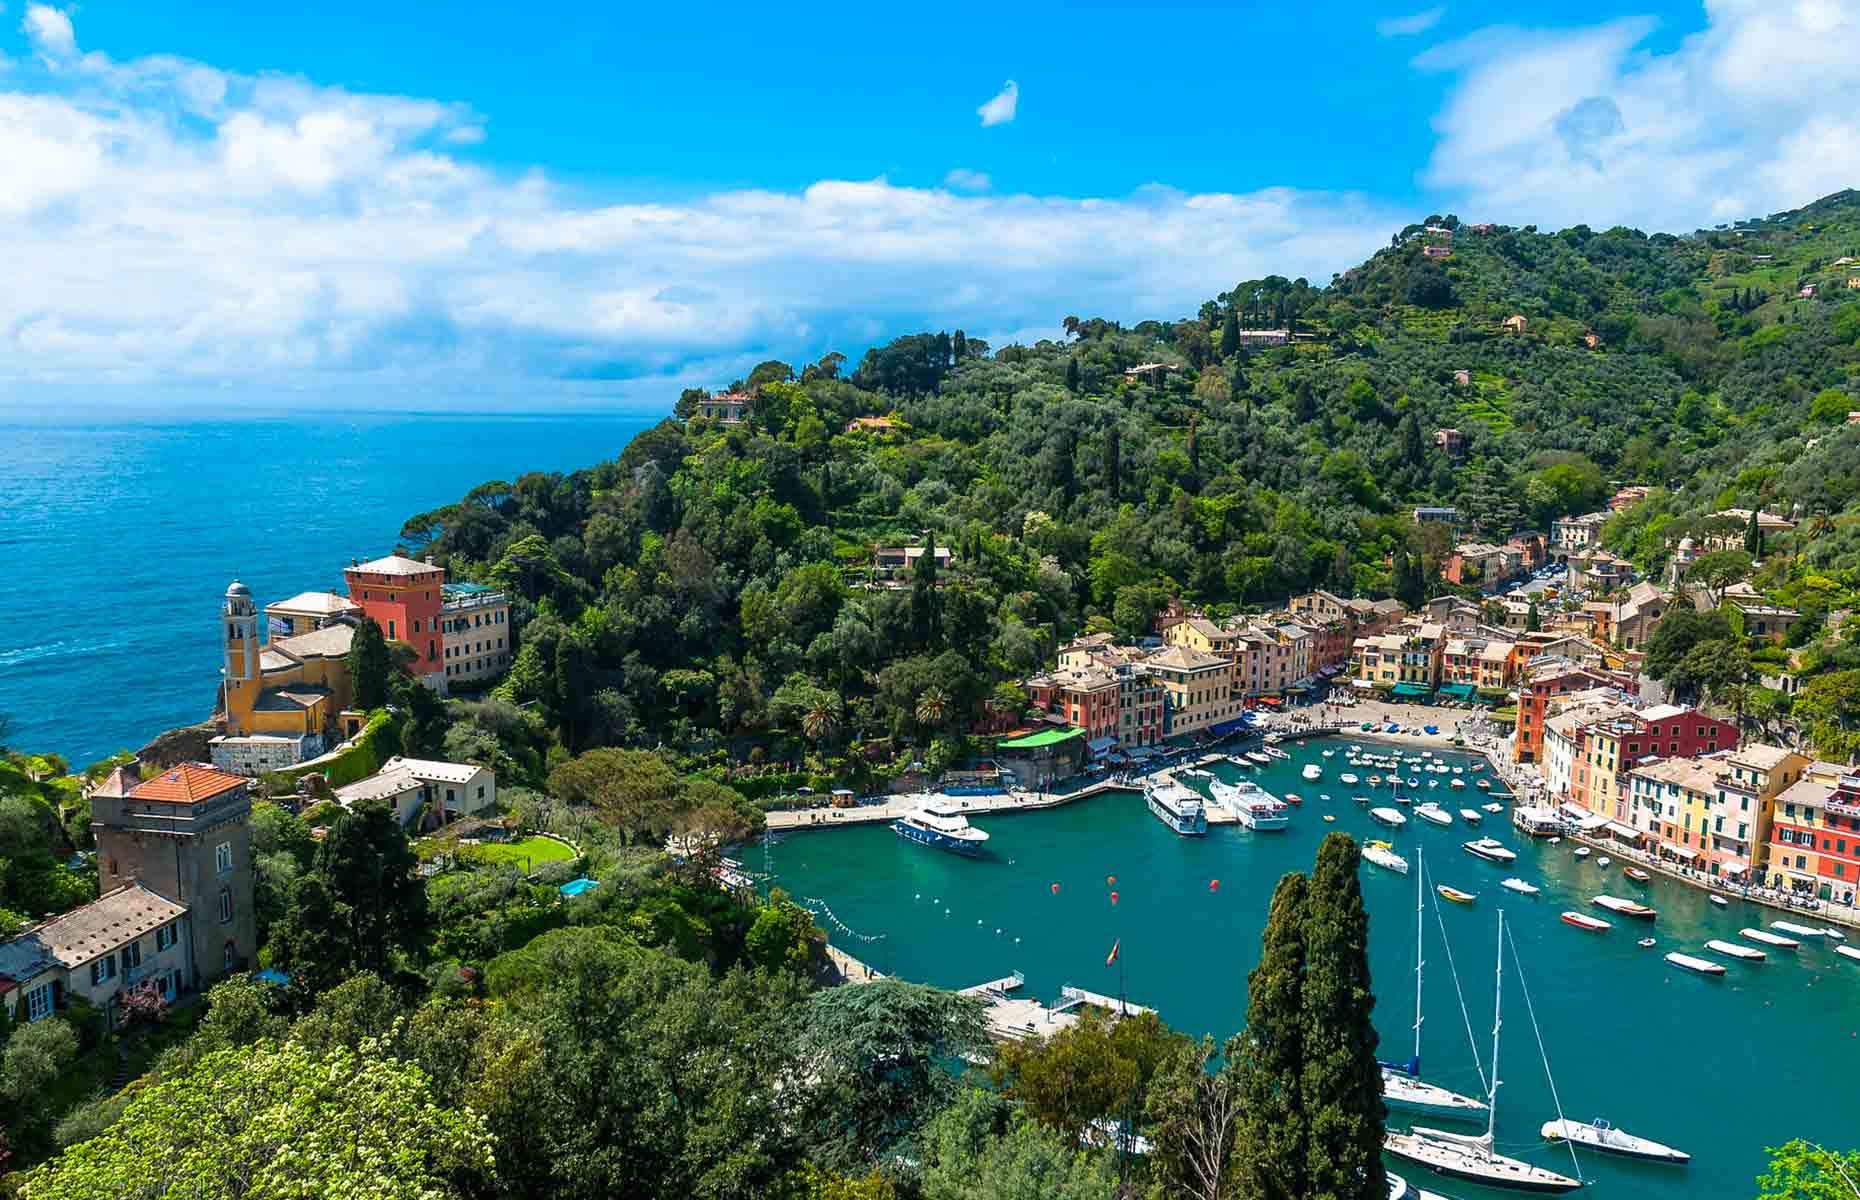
702,589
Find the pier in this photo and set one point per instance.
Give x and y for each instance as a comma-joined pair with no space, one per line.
1077,997
901,805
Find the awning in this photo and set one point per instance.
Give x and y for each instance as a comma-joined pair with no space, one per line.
1034,741
1272,700
1625,832
1409,689
1363,684
1100,745
1679,851
1226,727
1459,691
1734,866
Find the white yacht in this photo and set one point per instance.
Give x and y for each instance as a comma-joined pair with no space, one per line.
1433,814
1312,772
1601,1136
1176,805
1254,806
1381,854
941,827
1492,850
1402,1085
1388,816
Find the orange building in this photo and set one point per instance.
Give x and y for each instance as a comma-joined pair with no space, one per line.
404,597
1542,683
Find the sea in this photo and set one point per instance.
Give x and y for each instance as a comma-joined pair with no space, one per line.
1594,1025
119,537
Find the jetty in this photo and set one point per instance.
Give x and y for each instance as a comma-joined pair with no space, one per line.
1077,997
894,807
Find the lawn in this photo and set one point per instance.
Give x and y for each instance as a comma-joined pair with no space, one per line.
527,853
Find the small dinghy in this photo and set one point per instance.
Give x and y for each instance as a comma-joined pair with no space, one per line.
1733,950
1769,939
1456,783
1640,876
1294,798
1348,778
1701,966
1494,807
1485,783
1454,894
1556,841
1720,901
1520,887
1471,816
1582,852
1375,781
1600,1136
1604,861
1328,817
1645,943
1585,922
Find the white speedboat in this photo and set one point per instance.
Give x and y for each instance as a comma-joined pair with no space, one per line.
1720,901
1471,816
1328,753
1433,814
941,828
1258,759
1388,816
1582,852
1520,887
1275,752
1769,939
1176,805
1800,931
1312,773
1625,908
1381,854
1456,783
1492,850
1848,952
1733,950
1494,807
1348,778
1604,861
1600,1136
1701,966
1252,805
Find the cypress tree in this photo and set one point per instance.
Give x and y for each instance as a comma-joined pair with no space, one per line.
1273,1144
1113,459
1230,335
1072,375
1340,1086
1533,622
1753,537
369,666
959,346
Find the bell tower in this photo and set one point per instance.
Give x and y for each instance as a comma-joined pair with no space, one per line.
239,617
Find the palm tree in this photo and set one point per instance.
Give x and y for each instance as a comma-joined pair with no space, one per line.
822,721
932,707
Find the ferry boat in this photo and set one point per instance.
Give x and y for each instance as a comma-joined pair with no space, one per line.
1520,887
1701,966
1733,950
942,828
1312,772
1800,931
1177,806
1600,1136
1383,855
1471,816
1491,849
1433,814
1389,817
1584,921
1625,908
1769,939
1254,806
1454,894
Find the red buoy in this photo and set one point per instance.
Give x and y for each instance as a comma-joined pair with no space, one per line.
1055,889
1214,885
1113,897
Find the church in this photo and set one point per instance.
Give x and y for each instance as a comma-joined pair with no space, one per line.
280,699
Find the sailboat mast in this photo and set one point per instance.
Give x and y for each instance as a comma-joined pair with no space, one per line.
1498,995
1420,928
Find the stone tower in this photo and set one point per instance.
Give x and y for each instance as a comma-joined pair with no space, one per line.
186,834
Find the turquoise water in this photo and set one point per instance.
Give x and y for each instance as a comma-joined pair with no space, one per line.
119,539
1718,1067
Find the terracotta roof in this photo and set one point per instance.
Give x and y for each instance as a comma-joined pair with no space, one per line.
188,783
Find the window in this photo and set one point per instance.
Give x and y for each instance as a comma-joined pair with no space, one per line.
226,910
39,1002
132,955
166,937
391,634
222,857
103,969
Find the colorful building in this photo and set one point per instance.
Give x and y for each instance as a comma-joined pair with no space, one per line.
1746,805
1815,837
404,597
278,700
1543,681
1198,689
475,623
1671,802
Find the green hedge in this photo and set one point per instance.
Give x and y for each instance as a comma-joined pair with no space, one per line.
378,742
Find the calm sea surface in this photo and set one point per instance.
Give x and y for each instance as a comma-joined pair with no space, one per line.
1718,1067
119,539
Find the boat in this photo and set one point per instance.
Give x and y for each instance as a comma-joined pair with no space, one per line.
941,828
1491,849
1254,807
1585,921
1389,817
1702,966
1361,801
1259,759
1433,783
1801,931
1328,817
1494,807
1604,861
1275,752
1582,852
1733,950
1769,939
1600,1136
1646,943
1832,934
1625,908
1328,753
1555,841
1176,805
1402,1085
1640,876
1720,901
1471,816
1454,894
1294,798
1412,782
1485,783
1472,1158
1383,855
1348,778
1312,773
1456,783
1520,887
1433,814
1848,952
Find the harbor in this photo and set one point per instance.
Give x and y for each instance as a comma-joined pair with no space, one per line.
1188,912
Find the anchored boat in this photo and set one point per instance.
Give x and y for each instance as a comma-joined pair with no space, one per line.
1383,855
1585,922
1389,817
1733,950
1638,875
1471,816
1254,806
1769,939
1801,931
1702,966
1600,1136
941,828
1626,908
1848,952
1402,1086
1312,772
1433,814
1490,849
1176,805
1520,887
1454,894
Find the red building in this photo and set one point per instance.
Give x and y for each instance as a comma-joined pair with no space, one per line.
1535,691
404,598
1815,840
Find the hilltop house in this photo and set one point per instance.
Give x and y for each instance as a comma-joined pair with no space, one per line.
418,787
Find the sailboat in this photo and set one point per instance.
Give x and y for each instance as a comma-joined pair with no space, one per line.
1402,1086
1472,1158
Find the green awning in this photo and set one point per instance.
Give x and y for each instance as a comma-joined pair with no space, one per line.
1409,689
1459,691
1046,737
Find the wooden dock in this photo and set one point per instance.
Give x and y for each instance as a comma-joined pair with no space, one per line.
1077,997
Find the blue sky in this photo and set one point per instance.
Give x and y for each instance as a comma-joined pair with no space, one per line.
601,204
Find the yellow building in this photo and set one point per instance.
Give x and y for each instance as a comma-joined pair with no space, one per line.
279,700
1198,687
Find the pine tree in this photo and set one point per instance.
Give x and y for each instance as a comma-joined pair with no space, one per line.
1753,538
1230,335
1072,375
370,666
1274,1139
1341,1083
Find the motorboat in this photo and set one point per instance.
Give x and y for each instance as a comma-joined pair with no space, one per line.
1582,852
1312,773
1520,887
1701,966
1456,895
1848,952
1600,1136
1402,1085
1471,816
1646,943
1361,801
1294,798
1733,950
1484,783
1252,805
941,828
1640,876
1381,854
1258,759
1456,783
1413,781
1328,818
1585,922
1624,908
1604,861
1833,935
1800,931
1491,849
1494,807
1348,778
1328,753
1375,781
1176,805
1433,814
1389,817
1275,752
1720,901
1767,938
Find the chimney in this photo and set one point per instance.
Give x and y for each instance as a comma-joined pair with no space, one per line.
430,562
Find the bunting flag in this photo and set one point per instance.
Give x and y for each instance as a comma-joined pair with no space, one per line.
1112,957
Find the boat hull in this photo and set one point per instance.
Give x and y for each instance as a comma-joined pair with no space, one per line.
1496,1171
935,840
1403,1091
1583,1137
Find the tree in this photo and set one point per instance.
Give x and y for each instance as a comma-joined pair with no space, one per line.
979,1148
1194,1118
932,708
783,938
360,904
1274,1137
1341,1084
1095,1070
926,610
1753,538
1803,1170
1072,375
1829,705
1533,620
822,720
1679,632
370,666
277,1120
633,790
1113,460
1230,335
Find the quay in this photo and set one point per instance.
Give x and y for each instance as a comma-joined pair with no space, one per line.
1077,997
1010,1017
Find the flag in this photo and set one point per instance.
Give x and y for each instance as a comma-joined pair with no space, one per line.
1112,957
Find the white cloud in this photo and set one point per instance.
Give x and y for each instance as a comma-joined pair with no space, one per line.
1412,24
1758,112
1000,110
181,224
962,179
49,31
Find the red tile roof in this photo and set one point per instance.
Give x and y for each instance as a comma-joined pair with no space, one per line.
188,783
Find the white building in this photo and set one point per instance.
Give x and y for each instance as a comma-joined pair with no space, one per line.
415,786
130,938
